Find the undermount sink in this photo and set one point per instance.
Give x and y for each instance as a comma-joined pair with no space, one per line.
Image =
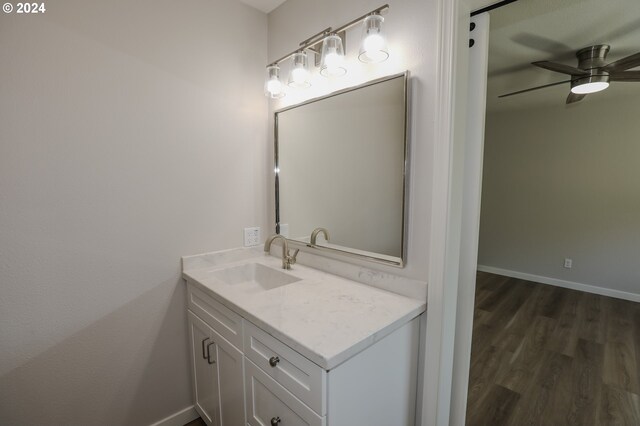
254,277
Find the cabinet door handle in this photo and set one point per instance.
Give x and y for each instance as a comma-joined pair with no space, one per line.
275,421
204,355
273,361
209,353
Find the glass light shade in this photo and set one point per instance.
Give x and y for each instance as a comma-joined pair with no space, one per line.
590,84
332,64
273,87
373,48
586,88
299,76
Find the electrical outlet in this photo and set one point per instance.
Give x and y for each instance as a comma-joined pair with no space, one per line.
251,236
568,263
284,230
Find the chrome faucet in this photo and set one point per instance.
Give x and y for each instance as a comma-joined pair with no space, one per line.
314,235
287,258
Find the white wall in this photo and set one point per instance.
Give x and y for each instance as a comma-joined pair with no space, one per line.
564,182
131,133
411,30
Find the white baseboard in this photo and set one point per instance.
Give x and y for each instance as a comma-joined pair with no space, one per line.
180,418
634,297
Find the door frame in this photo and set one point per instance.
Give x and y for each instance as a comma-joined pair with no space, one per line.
447,338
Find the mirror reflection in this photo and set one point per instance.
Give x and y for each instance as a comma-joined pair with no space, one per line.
340,163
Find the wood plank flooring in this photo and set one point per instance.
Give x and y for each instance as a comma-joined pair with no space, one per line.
544,355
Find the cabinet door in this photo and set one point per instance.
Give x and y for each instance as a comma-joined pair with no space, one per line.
231,378
205,374
271,404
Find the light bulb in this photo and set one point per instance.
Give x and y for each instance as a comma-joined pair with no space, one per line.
299,76
373,42
333,60
273,86
374,49
332,57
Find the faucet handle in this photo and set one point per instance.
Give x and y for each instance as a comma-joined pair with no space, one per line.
292,257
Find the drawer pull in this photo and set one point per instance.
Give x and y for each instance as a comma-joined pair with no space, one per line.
275,421
204,355
209,353
273,361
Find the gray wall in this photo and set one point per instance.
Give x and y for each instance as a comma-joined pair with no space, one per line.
131,133
564,182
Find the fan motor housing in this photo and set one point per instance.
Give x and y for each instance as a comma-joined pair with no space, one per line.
592,57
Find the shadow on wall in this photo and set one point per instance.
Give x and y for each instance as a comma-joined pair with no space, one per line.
85,378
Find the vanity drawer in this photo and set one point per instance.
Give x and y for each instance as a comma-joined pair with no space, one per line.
306,380
267,401
219,317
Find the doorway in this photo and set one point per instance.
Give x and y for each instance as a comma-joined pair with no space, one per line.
557,326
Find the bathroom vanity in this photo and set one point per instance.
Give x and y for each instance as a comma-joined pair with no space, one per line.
297,347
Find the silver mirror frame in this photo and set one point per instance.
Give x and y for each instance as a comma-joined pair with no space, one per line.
358,254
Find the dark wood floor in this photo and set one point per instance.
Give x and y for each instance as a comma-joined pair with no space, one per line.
196,422
544,355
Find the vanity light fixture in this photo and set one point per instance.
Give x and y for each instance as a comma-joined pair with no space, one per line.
373,48
273,87
331,56
299,77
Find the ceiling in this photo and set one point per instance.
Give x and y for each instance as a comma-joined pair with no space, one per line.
264,5
537,30
268,5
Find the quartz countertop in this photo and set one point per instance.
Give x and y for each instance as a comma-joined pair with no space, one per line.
326,318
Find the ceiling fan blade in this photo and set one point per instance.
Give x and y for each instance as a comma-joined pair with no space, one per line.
533,88
564,69
631,61
625,76
574,97
543,44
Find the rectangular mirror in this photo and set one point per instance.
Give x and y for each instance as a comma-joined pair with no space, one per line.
341,166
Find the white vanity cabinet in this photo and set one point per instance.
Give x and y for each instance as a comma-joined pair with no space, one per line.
244,376
376,387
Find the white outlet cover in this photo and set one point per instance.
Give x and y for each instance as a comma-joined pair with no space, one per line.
284,230
252,236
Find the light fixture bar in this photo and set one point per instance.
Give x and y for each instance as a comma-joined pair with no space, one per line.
307,44
316,38
356,21
319,37
331,58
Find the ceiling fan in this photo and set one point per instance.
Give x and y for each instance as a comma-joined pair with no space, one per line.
592,74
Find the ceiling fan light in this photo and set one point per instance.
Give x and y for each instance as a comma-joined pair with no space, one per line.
591,84
586,88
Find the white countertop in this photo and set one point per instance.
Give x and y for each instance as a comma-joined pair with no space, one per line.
326,318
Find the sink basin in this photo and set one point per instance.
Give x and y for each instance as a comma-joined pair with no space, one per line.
254,277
